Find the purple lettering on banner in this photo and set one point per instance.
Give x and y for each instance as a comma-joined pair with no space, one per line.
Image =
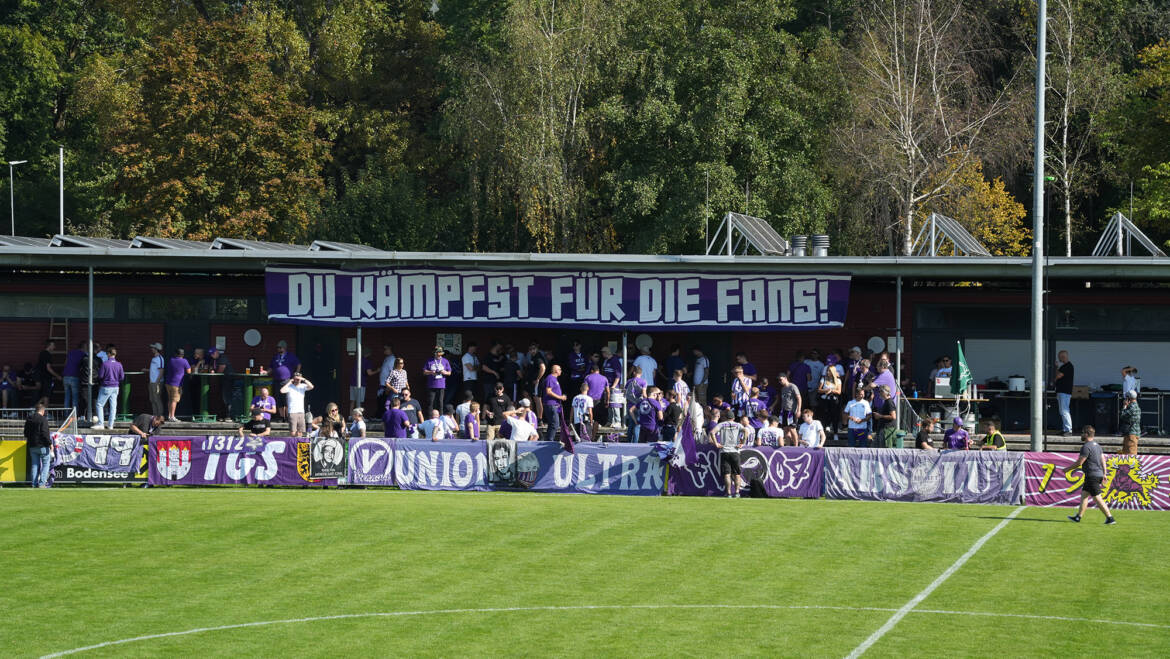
197,461
424,297
1132,482
914,475
96,458
785,472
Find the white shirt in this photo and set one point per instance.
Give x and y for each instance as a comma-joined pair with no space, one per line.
811,433
683,391
462,410
701,366
648,366
470,372
1128,384
156,368
296,398
817,369
769,436
582,403
522,431
860,409
357,428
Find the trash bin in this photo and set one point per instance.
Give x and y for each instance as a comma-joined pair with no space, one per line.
1104,412
899,438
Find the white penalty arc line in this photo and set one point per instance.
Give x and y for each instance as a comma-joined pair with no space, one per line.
917,599
511,609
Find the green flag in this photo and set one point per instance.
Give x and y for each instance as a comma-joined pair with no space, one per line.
960,374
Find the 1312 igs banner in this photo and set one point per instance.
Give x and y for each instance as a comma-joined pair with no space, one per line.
227,459
913,475
429,297
98,459
1133,482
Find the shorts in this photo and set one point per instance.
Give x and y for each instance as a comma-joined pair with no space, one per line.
1092,485
600,411
174,393
728,463
296,423
787,418
648,436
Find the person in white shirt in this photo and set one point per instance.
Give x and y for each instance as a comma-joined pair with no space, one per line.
858,412
464,408
357,428
681,390
702,374
1128,380
583,413
522,428
294,391
812,433
427,428
649,366
471,368
770,435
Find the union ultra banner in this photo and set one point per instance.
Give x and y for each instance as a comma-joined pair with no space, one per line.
397,297
1135,482
914,475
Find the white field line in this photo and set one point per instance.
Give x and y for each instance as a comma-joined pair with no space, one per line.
917,599
778,607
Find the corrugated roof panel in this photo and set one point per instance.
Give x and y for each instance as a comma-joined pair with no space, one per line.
334,246
23,241
255,245
147,242
60,240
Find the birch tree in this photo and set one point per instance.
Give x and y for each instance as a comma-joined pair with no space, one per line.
922,101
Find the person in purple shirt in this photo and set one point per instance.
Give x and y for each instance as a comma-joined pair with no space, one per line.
553,400
437,370
753,408
110,377
71,375
799,372
635,390
471,422
956,438
265,404
394,421
283,365
885,375
649,414
578,364
177,370
598,386
611,367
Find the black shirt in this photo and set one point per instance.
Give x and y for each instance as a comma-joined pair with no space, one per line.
256,426
36,431
43,362
532,371
496,362
672,415
923,441
509,374
144,423
884,407
496,405
1065,384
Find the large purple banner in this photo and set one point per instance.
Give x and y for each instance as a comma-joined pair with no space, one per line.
431,297
914,475
97,458
594,468
225,460
785,472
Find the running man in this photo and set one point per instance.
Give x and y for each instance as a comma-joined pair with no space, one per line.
1092,463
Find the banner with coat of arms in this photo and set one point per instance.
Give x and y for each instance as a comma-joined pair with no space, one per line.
229,460
1132,482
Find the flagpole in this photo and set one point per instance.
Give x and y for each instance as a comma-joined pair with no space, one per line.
1037,392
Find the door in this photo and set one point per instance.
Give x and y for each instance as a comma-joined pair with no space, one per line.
188,335
319,349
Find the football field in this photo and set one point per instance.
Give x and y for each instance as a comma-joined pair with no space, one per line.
235,572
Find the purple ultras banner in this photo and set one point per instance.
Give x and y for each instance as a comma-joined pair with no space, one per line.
430,297
594,468
785,472
97,458
225,460
915,475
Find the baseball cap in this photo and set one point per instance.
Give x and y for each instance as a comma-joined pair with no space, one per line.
213,350
156,345
282,344
524,402
439,350
856,349
958,421
1131,394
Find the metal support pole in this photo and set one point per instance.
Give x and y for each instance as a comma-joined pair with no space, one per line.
358,365
898,332
61,185
625,357
1038,235
89,353
11,199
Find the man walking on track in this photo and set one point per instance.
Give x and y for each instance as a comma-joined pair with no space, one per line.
1092,463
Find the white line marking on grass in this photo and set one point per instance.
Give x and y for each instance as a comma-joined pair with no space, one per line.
917,599
778,607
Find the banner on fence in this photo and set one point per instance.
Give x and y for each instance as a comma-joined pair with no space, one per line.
220,460
326,458
98,459
1134,482
13,461
481,298
784,472
371,461
914,475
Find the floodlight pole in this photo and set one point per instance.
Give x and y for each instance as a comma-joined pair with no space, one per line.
11,193
1038,235
61,185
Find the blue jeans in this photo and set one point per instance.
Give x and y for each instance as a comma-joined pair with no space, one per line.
552,417
39,458
107,394
1063,401
72,391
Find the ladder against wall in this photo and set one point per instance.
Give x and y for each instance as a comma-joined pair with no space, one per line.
59,334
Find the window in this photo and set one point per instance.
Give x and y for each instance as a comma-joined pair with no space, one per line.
55,306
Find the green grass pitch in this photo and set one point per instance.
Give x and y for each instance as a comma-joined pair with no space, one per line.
666,576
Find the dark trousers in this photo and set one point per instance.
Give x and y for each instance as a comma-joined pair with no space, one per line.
552,417
435,400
